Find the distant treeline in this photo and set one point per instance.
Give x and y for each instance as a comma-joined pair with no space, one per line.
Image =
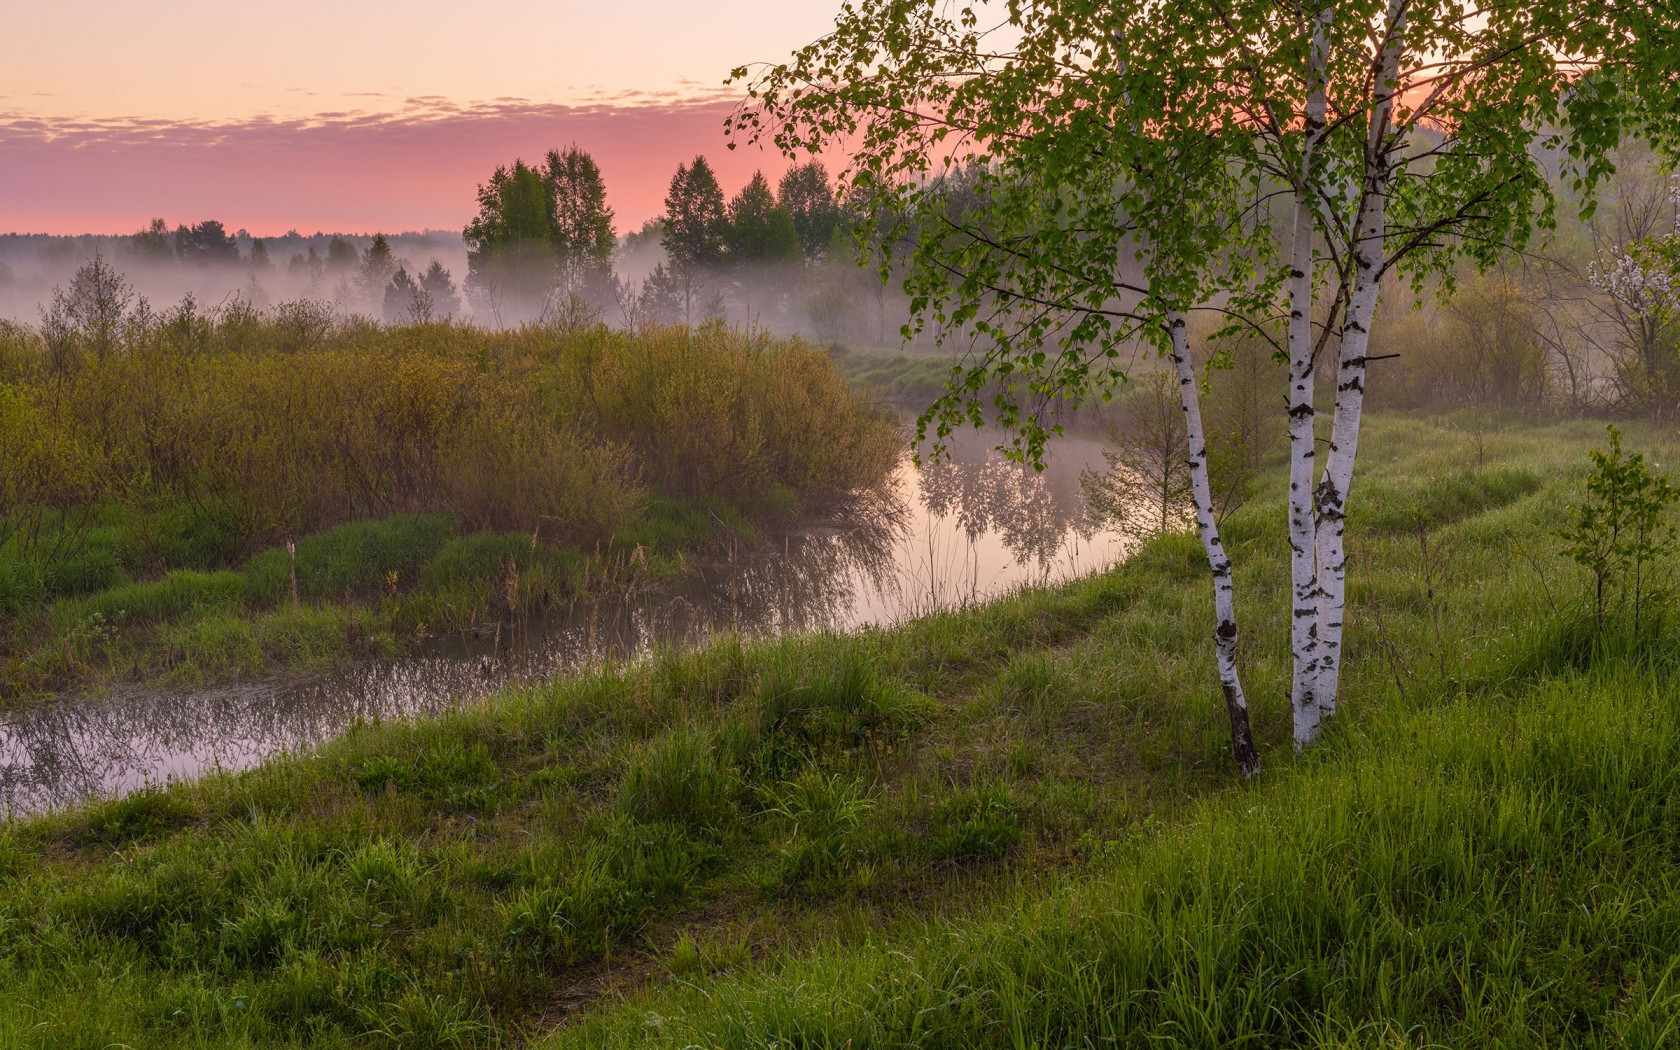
789,256
543,240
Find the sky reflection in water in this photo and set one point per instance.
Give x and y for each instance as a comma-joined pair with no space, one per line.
952,533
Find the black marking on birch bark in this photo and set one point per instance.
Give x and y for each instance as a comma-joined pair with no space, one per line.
1242,736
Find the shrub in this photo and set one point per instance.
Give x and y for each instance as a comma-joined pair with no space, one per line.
355,556
275,427
1619,533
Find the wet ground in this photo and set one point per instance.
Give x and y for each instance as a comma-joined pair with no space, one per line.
957,532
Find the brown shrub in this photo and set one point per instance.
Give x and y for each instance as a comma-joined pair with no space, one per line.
280,434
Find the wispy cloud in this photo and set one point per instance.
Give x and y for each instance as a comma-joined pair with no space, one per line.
410,168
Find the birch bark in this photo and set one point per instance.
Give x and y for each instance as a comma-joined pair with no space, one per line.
1303,572
1368,260
1224,603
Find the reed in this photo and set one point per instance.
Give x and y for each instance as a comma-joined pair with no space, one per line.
207,440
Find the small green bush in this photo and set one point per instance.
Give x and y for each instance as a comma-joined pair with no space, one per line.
357,556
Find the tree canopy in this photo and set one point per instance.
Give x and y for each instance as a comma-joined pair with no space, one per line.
759,229
1069,180
582,227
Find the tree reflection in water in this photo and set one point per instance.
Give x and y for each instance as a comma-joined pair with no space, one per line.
957,531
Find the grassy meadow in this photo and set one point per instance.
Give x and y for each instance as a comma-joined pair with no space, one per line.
1011,826
430,477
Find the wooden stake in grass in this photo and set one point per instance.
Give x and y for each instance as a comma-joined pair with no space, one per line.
291,552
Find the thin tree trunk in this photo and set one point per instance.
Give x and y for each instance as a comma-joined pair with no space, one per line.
1368,261
1303,574
1224,604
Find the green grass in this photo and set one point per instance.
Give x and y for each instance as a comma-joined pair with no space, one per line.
1011,826
365,588
913,378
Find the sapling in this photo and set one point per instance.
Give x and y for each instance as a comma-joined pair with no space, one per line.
1619,533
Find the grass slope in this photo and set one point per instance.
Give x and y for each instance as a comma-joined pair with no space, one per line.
1009,826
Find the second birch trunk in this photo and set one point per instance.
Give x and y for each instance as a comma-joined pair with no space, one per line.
1368,263
1303,546
1224,600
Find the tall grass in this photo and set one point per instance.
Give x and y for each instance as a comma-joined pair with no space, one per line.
1485,873
556,431
132,482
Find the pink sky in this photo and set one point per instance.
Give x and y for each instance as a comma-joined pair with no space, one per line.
363,115
351,174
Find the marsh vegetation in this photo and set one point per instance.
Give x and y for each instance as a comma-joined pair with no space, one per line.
427,477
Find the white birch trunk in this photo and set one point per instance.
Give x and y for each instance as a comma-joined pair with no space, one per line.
1368,261
1224,603
1303,575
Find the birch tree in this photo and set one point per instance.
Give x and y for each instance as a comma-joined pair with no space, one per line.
1270,162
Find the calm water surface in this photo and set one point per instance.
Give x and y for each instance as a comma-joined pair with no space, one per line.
938,537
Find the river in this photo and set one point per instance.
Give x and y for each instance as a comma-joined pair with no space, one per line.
952,533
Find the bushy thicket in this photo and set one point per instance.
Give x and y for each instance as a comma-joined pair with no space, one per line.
244,427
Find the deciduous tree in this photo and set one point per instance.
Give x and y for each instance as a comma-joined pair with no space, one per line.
694,229
807,194
582,223
1126,159
511,265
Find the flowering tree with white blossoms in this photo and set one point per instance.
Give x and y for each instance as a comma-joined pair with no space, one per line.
1641,283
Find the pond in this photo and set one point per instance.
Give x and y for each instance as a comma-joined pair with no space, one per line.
951,533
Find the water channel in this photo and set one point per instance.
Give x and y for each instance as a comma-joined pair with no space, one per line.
955,532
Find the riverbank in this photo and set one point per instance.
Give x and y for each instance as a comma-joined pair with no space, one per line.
431,477
746,817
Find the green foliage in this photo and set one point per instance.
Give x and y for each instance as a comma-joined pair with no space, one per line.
510,242
696,221
759,231
139,815
680,777
583,224
1329,909
357,556
821,814
1434,502
372,447
1619,533
975,824
808,196
1018,189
